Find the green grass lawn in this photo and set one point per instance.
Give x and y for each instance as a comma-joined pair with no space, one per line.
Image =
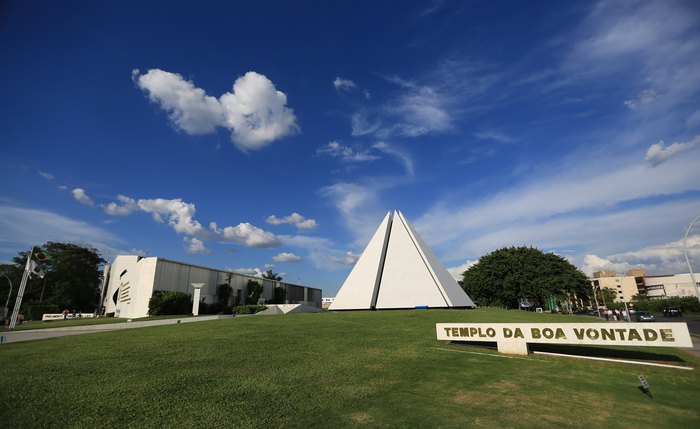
353,369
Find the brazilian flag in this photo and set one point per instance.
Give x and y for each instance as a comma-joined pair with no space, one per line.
42,255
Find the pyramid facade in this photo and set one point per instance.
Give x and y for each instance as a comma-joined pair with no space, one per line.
398,270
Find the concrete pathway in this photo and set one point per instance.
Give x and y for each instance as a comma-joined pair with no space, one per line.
37,334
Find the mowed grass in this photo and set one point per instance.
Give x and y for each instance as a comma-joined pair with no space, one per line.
353,369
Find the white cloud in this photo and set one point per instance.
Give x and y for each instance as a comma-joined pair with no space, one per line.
359,207
593,263
645,97
20,227
189,107
457,271
255,111
286,257
247,235
348,259
345,153
417,110
660,152
341,84
403,157
80,195
494,135
294,219
255,272
659,259
180,214
194,245
47,176
128,205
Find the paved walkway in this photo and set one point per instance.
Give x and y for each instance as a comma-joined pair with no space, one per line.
37,334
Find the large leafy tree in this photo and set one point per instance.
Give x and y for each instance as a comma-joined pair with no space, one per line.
73,277
507,275
271,276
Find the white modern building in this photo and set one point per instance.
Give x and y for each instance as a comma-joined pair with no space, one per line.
397,270
678,285
130,281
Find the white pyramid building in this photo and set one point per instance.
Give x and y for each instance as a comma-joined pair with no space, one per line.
398,270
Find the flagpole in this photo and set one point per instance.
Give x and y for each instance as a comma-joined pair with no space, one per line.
20,291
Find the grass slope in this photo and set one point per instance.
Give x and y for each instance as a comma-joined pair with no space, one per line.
356,369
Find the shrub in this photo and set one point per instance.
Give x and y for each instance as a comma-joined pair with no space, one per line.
166,302
280,295
249,309
223,294
36,311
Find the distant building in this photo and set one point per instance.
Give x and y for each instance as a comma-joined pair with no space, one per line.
636,282
130,281
326,302
677,285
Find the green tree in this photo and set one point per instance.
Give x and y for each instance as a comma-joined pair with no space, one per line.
254,291
505,276
271,276
73,278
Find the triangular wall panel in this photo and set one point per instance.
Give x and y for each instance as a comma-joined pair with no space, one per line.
358,290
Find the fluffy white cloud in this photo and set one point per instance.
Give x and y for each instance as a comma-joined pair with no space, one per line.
194,245
247,235
286,257
457,271
660,152
80,195
181,217
128,205
180,214
255,272
348,259
189,107
255,111
294,219
341,84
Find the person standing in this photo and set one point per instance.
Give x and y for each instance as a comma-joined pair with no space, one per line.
65,314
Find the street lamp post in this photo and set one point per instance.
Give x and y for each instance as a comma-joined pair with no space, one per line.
687,261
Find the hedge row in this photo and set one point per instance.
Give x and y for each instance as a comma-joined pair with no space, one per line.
686,304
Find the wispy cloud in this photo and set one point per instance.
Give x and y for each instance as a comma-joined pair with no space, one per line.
345,153
255,112
496,136
293,219
21,227
47,176
660,152
341,84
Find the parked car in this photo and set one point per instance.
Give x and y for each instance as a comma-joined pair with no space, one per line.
672,312
644,316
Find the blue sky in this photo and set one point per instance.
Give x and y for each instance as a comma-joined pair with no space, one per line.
265,135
